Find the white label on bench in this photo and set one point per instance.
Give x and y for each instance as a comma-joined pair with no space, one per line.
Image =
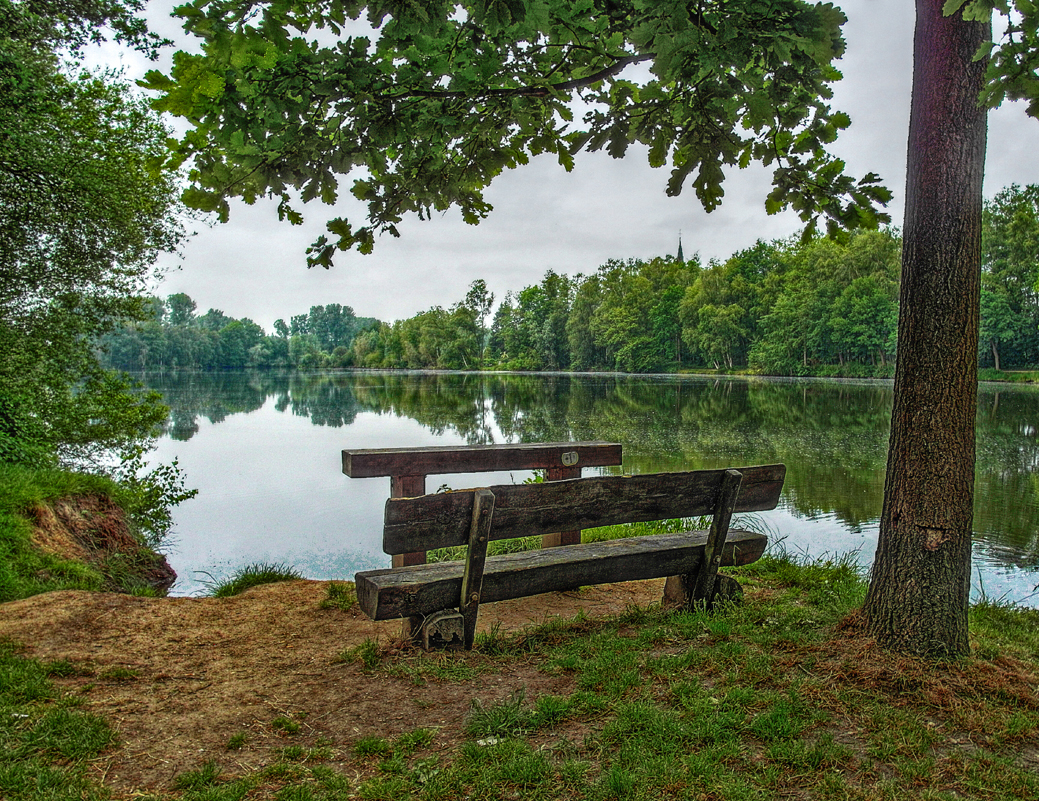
570,458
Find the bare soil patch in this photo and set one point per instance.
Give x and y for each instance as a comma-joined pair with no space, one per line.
178,677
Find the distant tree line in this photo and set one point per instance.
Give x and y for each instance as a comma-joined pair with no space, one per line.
822,307
174,337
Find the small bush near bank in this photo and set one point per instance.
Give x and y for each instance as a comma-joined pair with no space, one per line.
339,595
249,576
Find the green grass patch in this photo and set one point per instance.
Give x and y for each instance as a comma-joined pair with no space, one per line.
45,742
249,576
237,741
367,652
1008,376
513,716
1001,629
418,666
118,673
339,595
283,724
780,697
206,776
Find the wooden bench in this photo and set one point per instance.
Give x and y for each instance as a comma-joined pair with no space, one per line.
476,517
407,469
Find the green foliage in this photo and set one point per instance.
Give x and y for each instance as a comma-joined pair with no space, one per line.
444,97
174,338
84,213
340,595
1009,278
148,497
834,302
250,576
57,404
821,307
83,216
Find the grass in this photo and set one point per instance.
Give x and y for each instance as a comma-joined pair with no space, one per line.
26,570
286,725
339,595
420,668
118,674
1024,376
249,576
45,741
780,697
237,741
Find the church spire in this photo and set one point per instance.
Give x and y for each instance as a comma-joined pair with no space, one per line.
680,257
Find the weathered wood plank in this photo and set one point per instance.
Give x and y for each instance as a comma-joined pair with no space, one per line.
703,586
437,521
408,487
559,538
475,561
423,589
438,460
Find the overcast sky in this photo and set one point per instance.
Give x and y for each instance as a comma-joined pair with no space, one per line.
547,219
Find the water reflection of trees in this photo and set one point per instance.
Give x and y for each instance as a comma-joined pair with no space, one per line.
1005,506
831,435
213,396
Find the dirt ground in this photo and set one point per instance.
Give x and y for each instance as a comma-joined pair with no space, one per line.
178,677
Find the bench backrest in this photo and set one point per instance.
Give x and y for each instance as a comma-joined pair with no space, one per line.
443,459
520,510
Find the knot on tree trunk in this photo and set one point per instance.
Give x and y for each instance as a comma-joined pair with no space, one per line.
934,538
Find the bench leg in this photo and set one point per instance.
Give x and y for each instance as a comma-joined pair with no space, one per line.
678,590
444,628
476,556
702,586
409,487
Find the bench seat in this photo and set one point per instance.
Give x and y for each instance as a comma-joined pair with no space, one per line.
423,589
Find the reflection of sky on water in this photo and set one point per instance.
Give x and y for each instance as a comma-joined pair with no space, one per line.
816,537
271,488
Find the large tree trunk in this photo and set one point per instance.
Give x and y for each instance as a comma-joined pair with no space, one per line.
919,588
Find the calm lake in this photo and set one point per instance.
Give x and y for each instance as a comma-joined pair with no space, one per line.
263,450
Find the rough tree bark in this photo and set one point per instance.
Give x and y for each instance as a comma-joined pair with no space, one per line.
919,588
